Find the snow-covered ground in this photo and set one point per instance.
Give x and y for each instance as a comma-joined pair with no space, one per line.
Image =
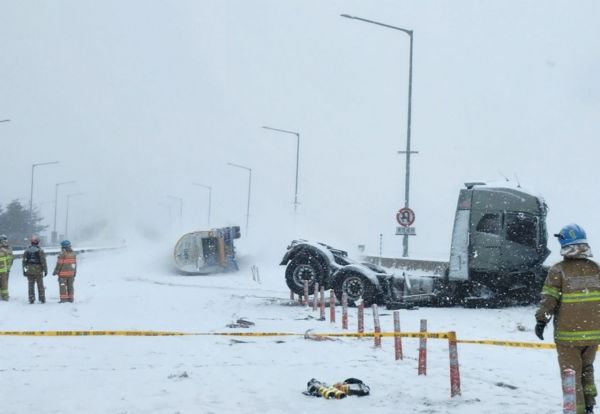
134,289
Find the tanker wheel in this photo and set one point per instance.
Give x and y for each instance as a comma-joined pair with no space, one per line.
303,268
356,286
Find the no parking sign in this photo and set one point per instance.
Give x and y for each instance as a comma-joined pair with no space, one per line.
405,217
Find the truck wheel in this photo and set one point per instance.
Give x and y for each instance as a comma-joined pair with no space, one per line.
304,268
356,286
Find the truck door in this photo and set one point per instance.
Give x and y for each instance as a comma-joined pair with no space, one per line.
520,250
459,249
486,241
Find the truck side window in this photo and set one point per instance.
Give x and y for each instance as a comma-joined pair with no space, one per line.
522,228
490,223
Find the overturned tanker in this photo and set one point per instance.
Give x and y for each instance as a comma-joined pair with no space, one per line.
206,252
497,253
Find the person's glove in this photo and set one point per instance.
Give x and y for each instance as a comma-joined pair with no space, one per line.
539,329
45,273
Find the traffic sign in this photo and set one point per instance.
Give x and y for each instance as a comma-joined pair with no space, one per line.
405,217
406,231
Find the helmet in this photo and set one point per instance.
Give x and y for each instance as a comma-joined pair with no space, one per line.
571,234
65,244
3,239
35,240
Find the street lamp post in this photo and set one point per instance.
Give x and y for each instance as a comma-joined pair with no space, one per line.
209,198
67,216
249,189
408,151
54,234
297,160
31,190
180,209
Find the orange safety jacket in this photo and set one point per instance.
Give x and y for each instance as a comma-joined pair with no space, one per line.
66,265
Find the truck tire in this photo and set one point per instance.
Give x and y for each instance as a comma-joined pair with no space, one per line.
303,268
356,286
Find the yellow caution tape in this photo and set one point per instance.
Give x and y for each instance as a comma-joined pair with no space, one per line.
513,344
140,333
91,333
432,335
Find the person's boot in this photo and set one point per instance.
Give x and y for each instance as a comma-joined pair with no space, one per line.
589,409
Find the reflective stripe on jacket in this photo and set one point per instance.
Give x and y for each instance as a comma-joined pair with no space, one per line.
6,259
4,264
571,294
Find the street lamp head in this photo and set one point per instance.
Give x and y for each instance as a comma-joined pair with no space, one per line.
389,26
282,130
202,185
44,163
239,166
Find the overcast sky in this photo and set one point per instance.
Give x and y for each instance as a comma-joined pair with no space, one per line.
138,99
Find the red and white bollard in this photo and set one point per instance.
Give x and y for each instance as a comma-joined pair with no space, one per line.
423,349
344,311
305,299
361,317
397,337
316,296
454,371
322,304
376,327
331,306
569,392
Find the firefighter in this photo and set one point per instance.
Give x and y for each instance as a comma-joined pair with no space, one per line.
571,295
6,260
35,268
66,269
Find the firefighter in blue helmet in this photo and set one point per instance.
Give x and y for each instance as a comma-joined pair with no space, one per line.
66,269
571,295
35,268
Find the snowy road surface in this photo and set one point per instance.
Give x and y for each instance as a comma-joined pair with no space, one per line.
127,290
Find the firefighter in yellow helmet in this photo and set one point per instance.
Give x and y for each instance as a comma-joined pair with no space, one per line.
6,260
66,269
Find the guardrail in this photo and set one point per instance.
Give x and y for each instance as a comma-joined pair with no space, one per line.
55,251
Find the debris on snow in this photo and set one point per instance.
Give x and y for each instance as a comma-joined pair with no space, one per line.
504,385
241,323
316,337
238,341
183,375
